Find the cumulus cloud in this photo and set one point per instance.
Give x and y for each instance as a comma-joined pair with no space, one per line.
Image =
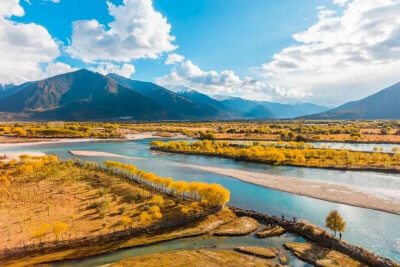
10,8
174,58
23,47
137,31
345,56
226,82
126,70
56,68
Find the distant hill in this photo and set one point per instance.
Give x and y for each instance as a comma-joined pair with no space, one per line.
207,102
287,111
184,107
270,110
9,89
382,105
82,95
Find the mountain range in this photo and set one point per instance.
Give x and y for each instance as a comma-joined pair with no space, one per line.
383,105
85,95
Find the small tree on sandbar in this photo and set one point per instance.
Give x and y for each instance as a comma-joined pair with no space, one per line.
335,222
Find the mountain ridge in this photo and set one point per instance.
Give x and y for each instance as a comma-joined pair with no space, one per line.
382,105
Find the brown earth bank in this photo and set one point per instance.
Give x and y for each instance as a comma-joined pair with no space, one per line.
270,231
319,237
238,227
258,251
322,257
204,258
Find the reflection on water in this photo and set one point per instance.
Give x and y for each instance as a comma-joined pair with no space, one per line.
377,231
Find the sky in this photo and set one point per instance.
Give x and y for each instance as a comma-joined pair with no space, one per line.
326,52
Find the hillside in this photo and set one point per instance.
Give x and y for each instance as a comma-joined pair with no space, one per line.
284,111
83,95
382,105
249,109
10,89
187,108
208,103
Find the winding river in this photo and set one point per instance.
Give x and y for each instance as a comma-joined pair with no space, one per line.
375,230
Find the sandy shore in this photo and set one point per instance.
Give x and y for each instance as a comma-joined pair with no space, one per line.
324,191
15,155
50,141
136,136
152,135
85,153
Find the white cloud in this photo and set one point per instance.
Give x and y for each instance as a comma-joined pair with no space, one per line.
340,2
174,58
9,8
343,57
226,82
138,31
106,67
23,47
56,68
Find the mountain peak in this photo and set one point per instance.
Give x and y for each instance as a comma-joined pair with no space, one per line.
183,89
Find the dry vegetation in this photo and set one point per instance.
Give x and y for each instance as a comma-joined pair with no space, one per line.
204,258
287,153
295,130
240,226
45,203
319,256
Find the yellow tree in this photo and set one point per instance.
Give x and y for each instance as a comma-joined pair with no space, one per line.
145,218
157,199
59,228
335,222
125,221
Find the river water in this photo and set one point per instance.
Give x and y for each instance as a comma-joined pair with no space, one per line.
375,230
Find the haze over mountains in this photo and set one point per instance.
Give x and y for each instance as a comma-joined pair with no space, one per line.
85,95
383,105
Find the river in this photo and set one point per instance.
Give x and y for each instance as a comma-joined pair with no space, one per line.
374,230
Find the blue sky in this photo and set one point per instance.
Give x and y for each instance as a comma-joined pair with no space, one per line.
285,51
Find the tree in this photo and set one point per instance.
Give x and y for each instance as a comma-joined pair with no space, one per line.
59,228
335,222
125,221
145,218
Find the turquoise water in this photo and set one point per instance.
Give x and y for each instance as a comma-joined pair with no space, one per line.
377,231
204,242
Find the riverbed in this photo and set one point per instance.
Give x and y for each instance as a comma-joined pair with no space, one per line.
377,231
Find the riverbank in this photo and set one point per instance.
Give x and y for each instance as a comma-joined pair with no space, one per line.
204,258
94,246
388,169
6,157
20,142
324,191
319,237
